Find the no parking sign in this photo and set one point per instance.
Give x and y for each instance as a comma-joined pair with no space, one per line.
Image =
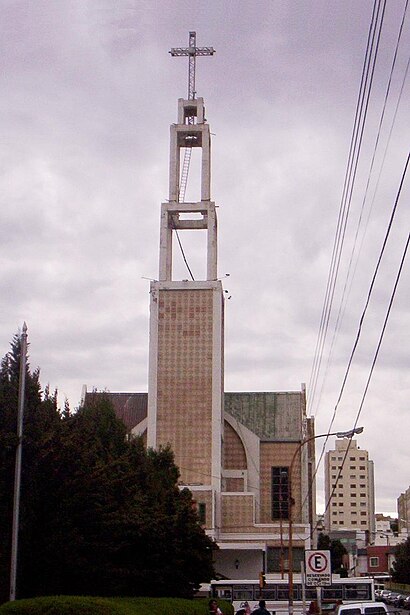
318,568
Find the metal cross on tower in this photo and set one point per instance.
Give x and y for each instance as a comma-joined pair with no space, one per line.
192,52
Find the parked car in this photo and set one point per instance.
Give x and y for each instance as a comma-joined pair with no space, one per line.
384,595
362,608
398,601
328,606
406,603
378,594
392,597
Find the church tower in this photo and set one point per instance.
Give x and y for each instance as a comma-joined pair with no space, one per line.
185,390
247,457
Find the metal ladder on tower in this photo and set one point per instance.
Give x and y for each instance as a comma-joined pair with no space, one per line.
184,174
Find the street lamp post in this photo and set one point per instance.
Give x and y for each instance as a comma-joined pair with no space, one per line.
338,434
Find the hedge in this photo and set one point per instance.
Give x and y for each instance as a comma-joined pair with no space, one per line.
89,605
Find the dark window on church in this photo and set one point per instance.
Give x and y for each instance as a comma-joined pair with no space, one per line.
280,493
202,513
277,560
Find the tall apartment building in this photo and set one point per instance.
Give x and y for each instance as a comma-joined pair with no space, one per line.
349,484
403,511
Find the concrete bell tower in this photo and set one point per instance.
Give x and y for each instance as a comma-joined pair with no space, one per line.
186,358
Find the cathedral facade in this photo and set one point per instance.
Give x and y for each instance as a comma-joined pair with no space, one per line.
243,455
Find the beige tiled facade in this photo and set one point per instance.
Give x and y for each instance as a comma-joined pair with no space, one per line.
238,513
184,401
234,456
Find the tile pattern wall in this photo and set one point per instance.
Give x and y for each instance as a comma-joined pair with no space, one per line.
184,404
234,453
237,513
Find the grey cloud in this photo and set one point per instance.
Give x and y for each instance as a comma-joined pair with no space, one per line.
91,91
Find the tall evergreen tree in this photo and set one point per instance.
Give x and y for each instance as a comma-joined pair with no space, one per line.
99,513
401,566
40,419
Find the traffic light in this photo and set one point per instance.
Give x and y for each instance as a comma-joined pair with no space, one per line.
262,580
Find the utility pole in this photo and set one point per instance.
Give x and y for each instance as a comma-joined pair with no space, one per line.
17,471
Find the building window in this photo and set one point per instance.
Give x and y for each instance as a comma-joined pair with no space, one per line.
362,468
280,493
363,523
202,513
374,562
363,513
354,522
277,559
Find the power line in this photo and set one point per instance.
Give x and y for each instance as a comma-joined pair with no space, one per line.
383,328
342,306
350,175
371,372
369,293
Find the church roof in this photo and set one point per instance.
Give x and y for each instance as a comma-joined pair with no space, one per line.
131,408
270,415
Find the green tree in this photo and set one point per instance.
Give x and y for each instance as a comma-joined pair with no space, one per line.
337,551
400,570
100,514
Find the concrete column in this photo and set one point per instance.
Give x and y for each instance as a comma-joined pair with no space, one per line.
212,247
217,397
165,245
206,164
174,165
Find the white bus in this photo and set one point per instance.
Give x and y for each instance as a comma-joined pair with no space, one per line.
276,592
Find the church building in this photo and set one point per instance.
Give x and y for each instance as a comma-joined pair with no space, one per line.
242,454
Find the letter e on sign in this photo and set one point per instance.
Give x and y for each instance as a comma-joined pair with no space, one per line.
318,568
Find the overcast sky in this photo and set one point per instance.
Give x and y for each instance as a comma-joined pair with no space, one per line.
88,93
